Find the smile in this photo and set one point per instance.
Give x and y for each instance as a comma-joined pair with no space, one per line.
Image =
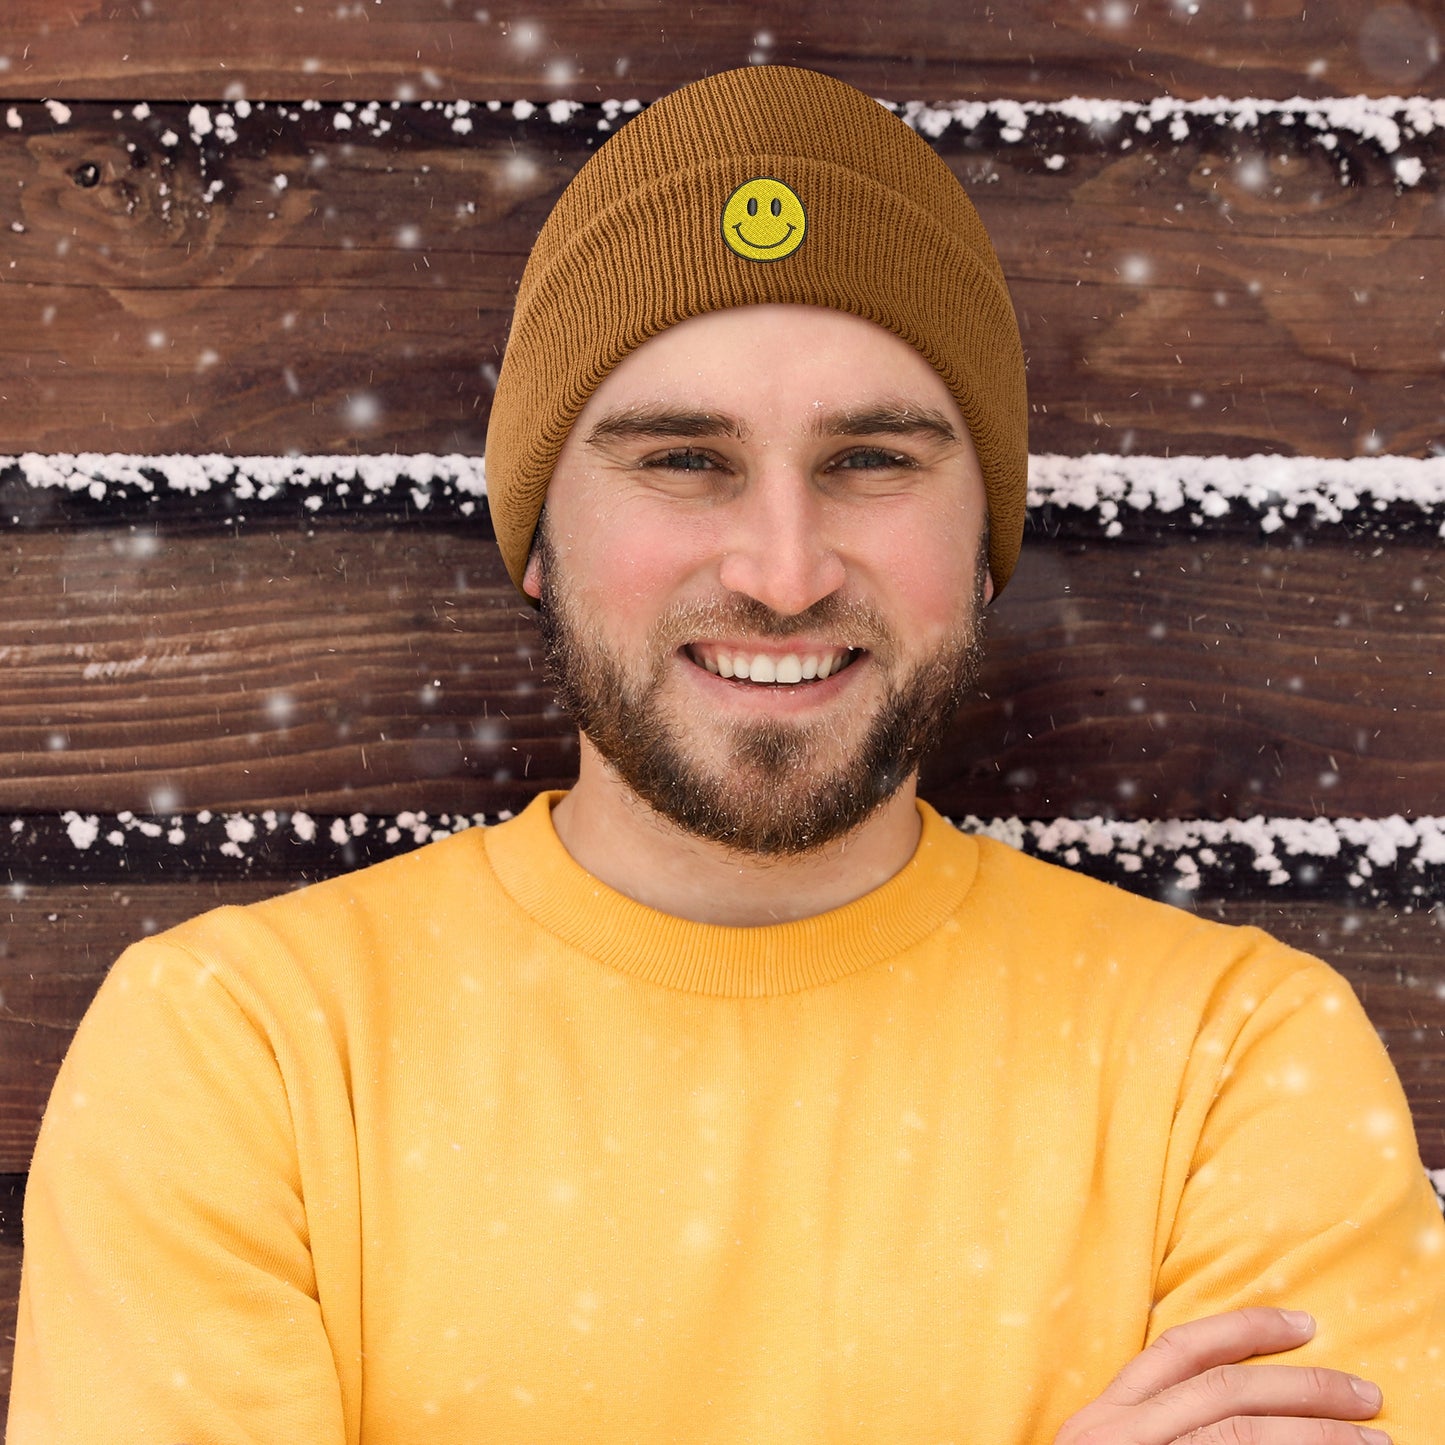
764,667
758,245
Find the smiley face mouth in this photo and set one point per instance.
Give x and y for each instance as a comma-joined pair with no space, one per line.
758,245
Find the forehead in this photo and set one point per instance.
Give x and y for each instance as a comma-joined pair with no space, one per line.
770,360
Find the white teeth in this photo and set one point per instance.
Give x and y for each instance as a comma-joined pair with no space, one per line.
785,671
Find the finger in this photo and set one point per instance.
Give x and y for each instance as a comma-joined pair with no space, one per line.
1186,1350
1238,1392
1268,1431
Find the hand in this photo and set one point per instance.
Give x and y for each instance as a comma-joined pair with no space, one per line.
1189,1386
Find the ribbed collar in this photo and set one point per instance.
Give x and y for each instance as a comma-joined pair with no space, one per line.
561,897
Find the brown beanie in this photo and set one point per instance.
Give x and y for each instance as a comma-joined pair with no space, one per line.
876,225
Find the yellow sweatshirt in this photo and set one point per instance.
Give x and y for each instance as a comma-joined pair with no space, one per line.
466,1148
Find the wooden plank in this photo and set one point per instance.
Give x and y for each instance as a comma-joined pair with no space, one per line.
1208,677
374,670
342,670
1222,294
12,1200
63,938
582,50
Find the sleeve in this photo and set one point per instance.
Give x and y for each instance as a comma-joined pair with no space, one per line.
168,1291
1301,1186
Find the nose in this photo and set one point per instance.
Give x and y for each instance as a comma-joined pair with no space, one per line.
778,549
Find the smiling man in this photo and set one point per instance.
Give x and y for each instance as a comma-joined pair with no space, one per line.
733,1095
761,570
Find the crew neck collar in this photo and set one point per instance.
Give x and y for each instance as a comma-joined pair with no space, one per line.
707,958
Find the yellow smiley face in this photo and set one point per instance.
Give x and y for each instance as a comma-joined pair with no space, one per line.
763,220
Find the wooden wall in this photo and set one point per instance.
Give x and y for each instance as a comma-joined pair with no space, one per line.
292,231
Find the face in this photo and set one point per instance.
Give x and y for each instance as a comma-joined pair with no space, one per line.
761,569
763,220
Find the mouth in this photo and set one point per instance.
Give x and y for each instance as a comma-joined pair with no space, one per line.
773,669
764,245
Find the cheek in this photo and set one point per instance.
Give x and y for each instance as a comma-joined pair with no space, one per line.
937,598
928,573
627,569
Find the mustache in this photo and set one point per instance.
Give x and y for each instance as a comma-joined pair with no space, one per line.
851,622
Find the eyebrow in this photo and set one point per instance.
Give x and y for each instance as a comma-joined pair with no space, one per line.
658,421
887,419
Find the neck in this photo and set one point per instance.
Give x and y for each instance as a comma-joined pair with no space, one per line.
622,842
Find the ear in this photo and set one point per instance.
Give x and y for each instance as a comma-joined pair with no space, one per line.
532,577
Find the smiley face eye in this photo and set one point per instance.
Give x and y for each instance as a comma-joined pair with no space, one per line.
753,205
776,207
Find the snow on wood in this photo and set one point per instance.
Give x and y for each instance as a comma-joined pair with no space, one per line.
1365,861
1109,489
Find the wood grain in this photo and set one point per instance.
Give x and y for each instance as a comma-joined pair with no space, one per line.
195,49
346,670
63,938
1208,678
374,670
1224,294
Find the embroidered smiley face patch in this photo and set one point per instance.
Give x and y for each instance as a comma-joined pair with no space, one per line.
763,220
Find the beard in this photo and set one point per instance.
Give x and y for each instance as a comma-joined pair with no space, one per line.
786,789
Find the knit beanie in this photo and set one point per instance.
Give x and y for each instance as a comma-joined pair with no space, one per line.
768,184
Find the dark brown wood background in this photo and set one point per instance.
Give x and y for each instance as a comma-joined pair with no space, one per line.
314,279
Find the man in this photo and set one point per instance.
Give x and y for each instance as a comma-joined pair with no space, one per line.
733,1095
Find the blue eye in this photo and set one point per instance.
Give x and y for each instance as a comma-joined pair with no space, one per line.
866,457
683,461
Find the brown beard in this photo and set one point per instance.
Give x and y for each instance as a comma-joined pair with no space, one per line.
769,803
